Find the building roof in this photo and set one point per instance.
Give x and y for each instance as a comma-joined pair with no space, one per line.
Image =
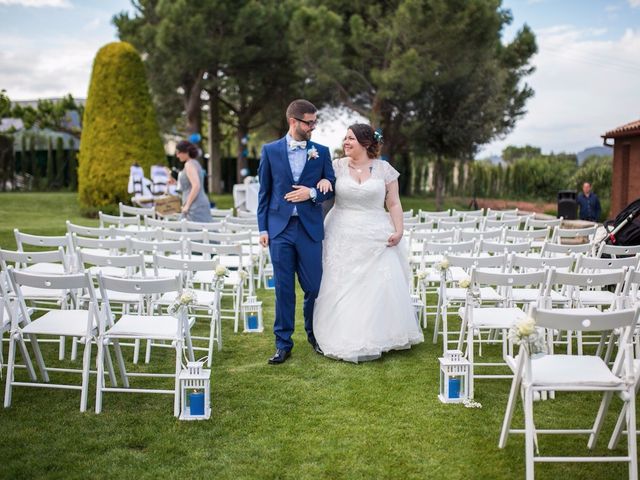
629,129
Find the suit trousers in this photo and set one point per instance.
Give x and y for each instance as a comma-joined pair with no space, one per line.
293,252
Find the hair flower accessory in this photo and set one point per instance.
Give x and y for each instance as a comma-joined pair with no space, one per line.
312,153
378,135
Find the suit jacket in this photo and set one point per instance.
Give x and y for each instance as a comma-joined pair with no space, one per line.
276,180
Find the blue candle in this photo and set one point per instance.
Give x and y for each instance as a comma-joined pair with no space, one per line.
270,282
454,388
252,322
196,403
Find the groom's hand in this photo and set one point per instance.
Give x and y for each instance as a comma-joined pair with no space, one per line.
264,239
300,193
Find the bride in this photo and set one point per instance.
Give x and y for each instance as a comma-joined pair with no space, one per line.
364,306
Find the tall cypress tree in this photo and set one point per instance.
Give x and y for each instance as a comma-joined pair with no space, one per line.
119,127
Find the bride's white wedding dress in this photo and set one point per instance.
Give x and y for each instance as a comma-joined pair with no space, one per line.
364,305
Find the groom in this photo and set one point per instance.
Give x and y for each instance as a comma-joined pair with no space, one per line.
290,220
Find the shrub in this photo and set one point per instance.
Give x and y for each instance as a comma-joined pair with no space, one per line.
119,127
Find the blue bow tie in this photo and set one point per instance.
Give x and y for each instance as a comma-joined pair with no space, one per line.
293,144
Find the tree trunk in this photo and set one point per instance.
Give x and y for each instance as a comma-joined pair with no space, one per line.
439,181
215,155
193,108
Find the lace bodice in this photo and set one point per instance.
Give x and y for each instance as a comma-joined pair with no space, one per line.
368,195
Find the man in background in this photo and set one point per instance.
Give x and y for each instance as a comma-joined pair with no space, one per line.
589,204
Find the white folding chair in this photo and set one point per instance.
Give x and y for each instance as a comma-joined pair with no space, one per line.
150,326
550,249
585,234
71,322
119,221
575,373
140,211
617,251
207,304
533,223
25,240
84,231
499,317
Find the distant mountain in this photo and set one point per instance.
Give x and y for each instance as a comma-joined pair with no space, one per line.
591,151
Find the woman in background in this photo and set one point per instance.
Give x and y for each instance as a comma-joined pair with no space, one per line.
195,204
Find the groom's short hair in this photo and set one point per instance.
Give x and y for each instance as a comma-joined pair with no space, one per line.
299,107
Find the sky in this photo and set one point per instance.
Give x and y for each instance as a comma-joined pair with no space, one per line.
585,83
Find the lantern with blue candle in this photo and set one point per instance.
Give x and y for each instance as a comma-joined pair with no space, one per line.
252,315
195,391
454,377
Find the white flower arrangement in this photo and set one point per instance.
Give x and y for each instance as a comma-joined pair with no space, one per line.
443,265
184,299
243,274
470,403
527,334
312,153
465,282
421,274
221,270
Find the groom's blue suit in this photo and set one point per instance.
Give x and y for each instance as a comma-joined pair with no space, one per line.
295,237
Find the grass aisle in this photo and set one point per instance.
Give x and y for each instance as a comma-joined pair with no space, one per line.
307,419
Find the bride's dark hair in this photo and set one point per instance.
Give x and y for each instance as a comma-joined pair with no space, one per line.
368,138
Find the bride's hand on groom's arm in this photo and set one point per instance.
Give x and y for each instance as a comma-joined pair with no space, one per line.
394,239
324,186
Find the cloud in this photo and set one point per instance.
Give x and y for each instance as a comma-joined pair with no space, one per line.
38,3
634,3
30,70
584,85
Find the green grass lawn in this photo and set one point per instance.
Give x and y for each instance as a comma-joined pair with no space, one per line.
307,419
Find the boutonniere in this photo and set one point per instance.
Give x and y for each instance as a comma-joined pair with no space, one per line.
312,153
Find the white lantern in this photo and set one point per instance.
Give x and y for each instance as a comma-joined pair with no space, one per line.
454,377
252,315
269,280
195,392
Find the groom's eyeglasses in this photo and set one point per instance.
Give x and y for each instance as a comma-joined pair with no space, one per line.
308,123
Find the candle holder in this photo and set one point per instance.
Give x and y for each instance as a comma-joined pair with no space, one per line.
195,392
268,277
454,377
252,315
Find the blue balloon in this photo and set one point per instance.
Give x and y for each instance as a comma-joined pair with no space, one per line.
195,137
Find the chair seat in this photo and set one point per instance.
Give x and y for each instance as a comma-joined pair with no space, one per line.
596,297
71,323
487,294
524,295
496,317
45,267
572,370
162,327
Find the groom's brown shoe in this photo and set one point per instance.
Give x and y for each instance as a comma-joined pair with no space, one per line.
280,357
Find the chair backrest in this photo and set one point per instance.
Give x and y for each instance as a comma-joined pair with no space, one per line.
165,224
117,220
143,246
466,235
44,241
183,264
587,280
616,251
570,319
252,220
539,234
510,223
22,259
508,279
502,247
455,224
550,248
70,283
449,248
85,231
495,261
231,238
440,214
209,251
208,226
524,262
245,214
140,211
592,264
574,233
433,236
221,212
150,234
141,286
132,263
467,214
230,226
112,244
201,236
534,223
